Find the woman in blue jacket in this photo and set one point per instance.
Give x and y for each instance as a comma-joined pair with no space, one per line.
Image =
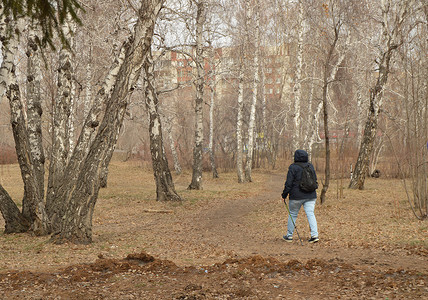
299,198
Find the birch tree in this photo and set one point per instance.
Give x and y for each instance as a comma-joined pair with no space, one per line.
239,156
168,125
211,135
393,14
30,217
34,112
68,215
165,189
298,78
254,89
61,115
196,183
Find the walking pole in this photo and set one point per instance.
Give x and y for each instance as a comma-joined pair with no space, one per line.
285,202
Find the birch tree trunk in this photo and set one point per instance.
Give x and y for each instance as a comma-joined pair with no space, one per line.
56,209
177,166
88,87
297,142
390,41
79,190
33,216
165,190
251,125
239,156
211,137
359,116
76,181
312,129
15,222
265,149
61,114
196,183
34,110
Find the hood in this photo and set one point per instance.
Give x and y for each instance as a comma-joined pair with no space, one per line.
301,156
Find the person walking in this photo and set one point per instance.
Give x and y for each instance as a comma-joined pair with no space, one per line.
298,197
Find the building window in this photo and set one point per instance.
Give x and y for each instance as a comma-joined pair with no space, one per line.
181,73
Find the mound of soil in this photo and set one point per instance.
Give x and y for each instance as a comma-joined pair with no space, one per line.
141,276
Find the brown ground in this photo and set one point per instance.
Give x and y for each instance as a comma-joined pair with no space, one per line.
224,243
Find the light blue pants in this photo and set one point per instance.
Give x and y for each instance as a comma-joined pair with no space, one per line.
309,207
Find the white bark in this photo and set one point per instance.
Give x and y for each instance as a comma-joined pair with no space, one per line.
256,82
264,109
61,114
71,129
211,135
390,40
312,131
239,157
199,85
33,210
92,119
165,189
79,193
88,88
359,116
297,142
168,126
9,47
34,109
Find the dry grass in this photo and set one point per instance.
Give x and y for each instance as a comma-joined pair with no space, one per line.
119,215
371,245
377,217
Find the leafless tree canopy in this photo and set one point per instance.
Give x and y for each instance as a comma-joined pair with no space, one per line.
210,85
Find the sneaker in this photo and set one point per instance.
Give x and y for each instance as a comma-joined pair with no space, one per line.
287,238
313,239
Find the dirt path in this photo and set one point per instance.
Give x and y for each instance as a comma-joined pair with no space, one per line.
219,249
229,225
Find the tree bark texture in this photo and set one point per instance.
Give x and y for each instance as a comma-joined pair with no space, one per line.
165,190
391,40
211,137
239,156
252,122
297,142
61,114
196,183
34,109
15,222
177,166
366,148
312,128
79,193
32,202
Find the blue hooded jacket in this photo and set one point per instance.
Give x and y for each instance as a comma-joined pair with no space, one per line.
294,176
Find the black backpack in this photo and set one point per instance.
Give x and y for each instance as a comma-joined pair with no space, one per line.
308,183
